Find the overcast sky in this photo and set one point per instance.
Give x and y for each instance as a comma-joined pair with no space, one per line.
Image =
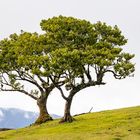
27,14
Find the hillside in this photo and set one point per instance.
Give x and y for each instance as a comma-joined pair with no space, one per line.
121,124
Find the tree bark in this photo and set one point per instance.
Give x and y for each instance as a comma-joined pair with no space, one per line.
43,113
67,115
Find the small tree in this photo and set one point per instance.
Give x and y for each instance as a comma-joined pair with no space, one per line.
84,53
25,68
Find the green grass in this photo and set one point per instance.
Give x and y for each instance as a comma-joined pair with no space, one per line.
121,124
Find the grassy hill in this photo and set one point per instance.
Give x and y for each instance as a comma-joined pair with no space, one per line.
121,124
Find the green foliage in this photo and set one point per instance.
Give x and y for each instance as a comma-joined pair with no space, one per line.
123,124
22,57
77,44
68,31
68,46
110,35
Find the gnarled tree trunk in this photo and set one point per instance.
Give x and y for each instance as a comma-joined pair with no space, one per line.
67,116
43,113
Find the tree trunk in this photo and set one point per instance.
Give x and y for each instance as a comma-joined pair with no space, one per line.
67,116
43,113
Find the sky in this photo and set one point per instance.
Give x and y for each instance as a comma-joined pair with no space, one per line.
17,15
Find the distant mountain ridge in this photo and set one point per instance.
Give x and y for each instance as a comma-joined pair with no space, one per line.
17,118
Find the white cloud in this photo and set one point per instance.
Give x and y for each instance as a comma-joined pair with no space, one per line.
1,114
26,115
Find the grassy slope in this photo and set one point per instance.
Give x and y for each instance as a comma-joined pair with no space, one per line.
122,124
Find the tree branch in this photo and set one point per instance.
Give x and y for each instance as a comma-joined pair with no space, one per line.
62,93
114,74
5,82
87,72
85,85
26,78
22,91
59,88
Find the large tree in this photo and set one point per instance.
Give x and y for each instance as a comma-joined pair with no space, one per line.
84,53
25,68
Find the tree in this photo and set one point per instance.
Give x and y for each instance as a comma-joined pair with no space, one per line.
25,68
84,53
